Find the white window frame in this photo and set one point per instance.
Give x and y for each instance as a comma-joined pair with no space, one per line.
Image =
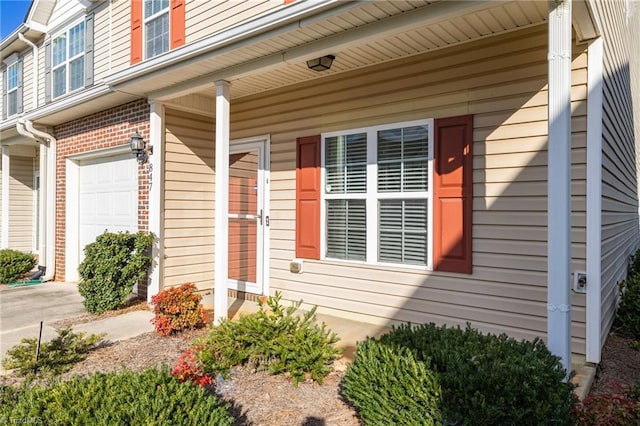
67,62
14,65
153,17
372,196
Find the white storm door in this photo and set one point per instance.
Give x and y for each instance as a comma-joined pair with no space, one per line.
248,219
108,197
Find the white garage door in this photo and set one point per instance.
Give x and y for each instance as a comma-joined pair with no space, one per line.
108,197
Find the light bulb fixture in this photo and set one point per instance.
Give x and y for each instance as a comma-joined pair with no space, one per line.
139,148
322,63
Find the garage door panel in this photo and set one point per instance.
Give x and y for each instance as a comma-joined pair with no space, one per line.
108,197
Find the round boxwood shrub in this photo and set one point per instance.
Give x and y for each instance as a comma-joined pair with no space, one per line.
152,397
15,264
627,321
387,385
489,379
113,264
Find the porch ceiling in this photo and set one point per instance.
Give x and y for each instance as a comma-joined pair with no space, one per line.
363,34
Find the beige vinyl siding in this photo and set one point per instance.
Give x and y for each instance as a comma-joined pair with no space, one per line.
101,37
27,80
204,18
120,35
21,203
502,82
2,68
619,157
188,199
1,210
41,76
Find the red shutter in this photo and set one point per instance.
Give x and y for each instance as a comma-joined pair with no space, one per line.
136,31
288,1
177,23
308,197
453,194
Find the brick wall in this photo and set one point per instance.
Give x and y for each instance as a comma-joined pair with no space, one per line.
105,129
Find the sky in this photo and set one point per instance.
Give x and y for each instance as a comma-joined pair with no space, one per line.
12,13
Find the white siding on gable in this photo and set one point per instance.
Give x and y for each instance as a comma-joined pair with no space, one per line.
204,18
63,12
620,231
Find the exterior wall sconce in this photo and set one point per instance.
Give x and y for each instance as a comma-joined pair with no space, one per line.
322,63
139,148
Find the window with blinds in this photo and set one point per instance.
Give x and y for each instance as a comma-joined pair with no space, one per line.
377,195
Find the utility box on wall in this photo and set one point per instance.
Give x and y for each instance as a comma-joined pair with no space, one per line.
580,281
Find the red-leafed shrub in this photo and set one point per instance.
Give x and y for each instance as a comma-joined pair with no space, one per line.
187,368
613,409
177,309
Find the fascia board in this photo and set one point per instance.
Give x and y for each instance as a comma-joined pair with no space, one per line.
69,102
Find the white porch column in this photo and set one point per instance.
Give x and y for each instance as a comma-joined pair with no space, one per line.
594,200
156,196
559,183
220,307
6,176
42,205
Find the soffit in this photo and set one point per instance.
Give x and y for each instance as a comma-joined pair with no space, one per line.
406,28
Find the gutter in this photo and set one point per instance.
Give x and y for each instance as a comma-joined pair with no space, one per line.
48,202
34,49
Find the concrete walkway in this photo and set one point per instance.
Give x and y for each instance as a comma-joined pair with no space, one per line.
22,309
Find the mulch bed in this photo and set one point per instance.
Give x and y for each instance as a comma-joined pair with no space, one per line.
258,398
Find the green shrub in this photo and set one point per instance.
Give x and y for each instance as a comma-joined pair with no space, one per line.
177,309
56,357
15,264
627,320
634,264
277,340
113,264
387,385
488,379
149,398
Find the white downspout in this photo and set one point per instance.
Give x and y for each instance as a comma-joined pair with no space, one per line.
35,72
48,186
559,183
594,201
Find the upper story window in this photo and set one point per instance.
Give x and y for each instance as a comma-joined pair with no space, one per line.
12,87
13,83
68,64
68,60
156,27
377,194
